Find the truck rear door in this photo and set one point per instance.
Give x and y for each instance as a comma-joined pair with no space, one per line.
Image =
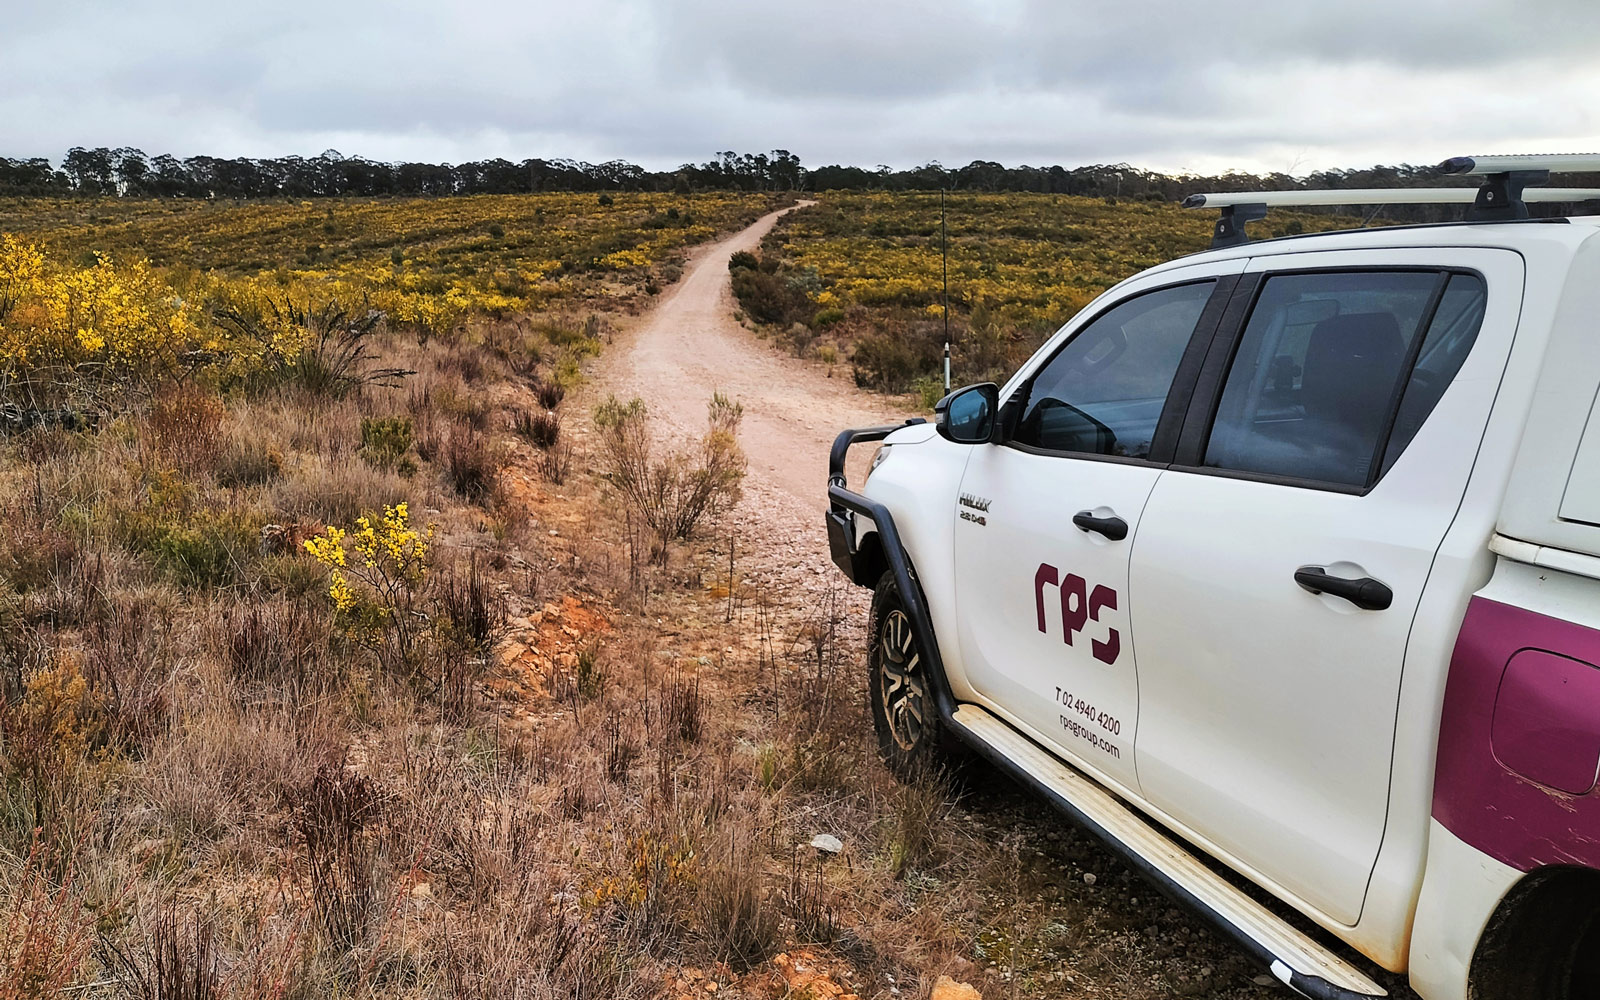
1281,558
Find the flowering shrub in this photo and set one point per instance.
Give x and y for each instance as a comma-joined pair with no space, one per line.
111,319
624,260
376,577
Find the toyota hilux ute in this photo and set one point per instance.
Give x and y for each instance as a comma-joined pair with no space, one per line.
1286,555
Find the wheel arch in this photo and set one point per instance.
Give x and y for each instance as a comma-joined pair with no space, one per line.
872,562
1534,937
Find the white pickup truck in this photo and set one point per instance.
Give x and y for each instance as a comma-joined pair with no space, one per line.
1287,554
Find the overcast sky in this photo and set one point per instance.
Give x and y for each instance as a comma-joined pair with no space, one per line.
1202,86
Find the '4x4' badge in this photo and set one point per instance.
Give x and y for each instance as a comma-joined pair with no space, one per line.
1079,606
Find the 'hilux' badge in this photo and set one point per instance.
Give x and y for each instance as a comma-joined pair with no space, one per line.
976,503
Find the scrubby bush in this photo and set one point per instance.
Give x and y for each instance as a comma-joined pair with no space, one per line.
672,494
51,721
575,335
929,390
800,337
769,297
211,550
827,317
193,545
892,360
549,394
386,443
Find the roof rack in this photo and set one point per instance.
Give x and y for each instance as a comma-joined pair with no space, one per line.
1505,178
1509,184
1555,163
1376,196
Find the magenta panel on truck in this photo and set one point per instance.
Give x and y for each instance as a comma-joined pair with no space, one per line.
1519,741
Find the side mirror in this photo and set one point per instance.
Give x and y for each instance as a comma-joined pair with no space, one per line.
966,416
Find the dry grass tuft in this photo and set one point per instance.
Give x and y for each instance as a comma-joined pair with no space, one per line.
472,464
46,934
555,463
250,456
172,960
740,925
542,429
185,425
337,491
280,643
549,394
338,818
471,618
681,707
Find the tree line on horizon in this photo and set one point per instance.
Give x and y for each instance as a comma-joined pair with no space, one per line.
130,173
127,172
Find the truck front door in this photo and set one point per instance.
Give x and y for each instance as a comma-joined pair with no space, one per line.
1047,519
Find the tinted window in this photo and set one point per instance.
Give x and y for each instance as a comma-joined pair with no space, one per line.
1103,392
1449,339
1315,380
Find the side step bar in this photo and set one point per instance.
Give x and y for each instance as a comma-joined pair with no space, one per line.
1304,965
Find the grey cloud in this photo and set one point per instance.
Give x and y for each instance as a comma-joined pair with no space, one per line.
1157,82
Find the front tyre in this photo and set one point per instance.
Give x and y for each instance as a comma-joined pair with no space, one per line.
905,713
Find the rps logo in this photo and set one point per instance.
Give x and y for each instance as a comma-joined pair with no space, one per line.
1079,606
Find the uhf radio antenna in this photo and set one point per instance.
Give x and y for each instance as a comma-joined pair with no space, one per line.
944,269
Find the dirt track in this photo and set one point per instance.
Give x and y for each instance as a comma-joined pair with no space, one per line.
690,346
